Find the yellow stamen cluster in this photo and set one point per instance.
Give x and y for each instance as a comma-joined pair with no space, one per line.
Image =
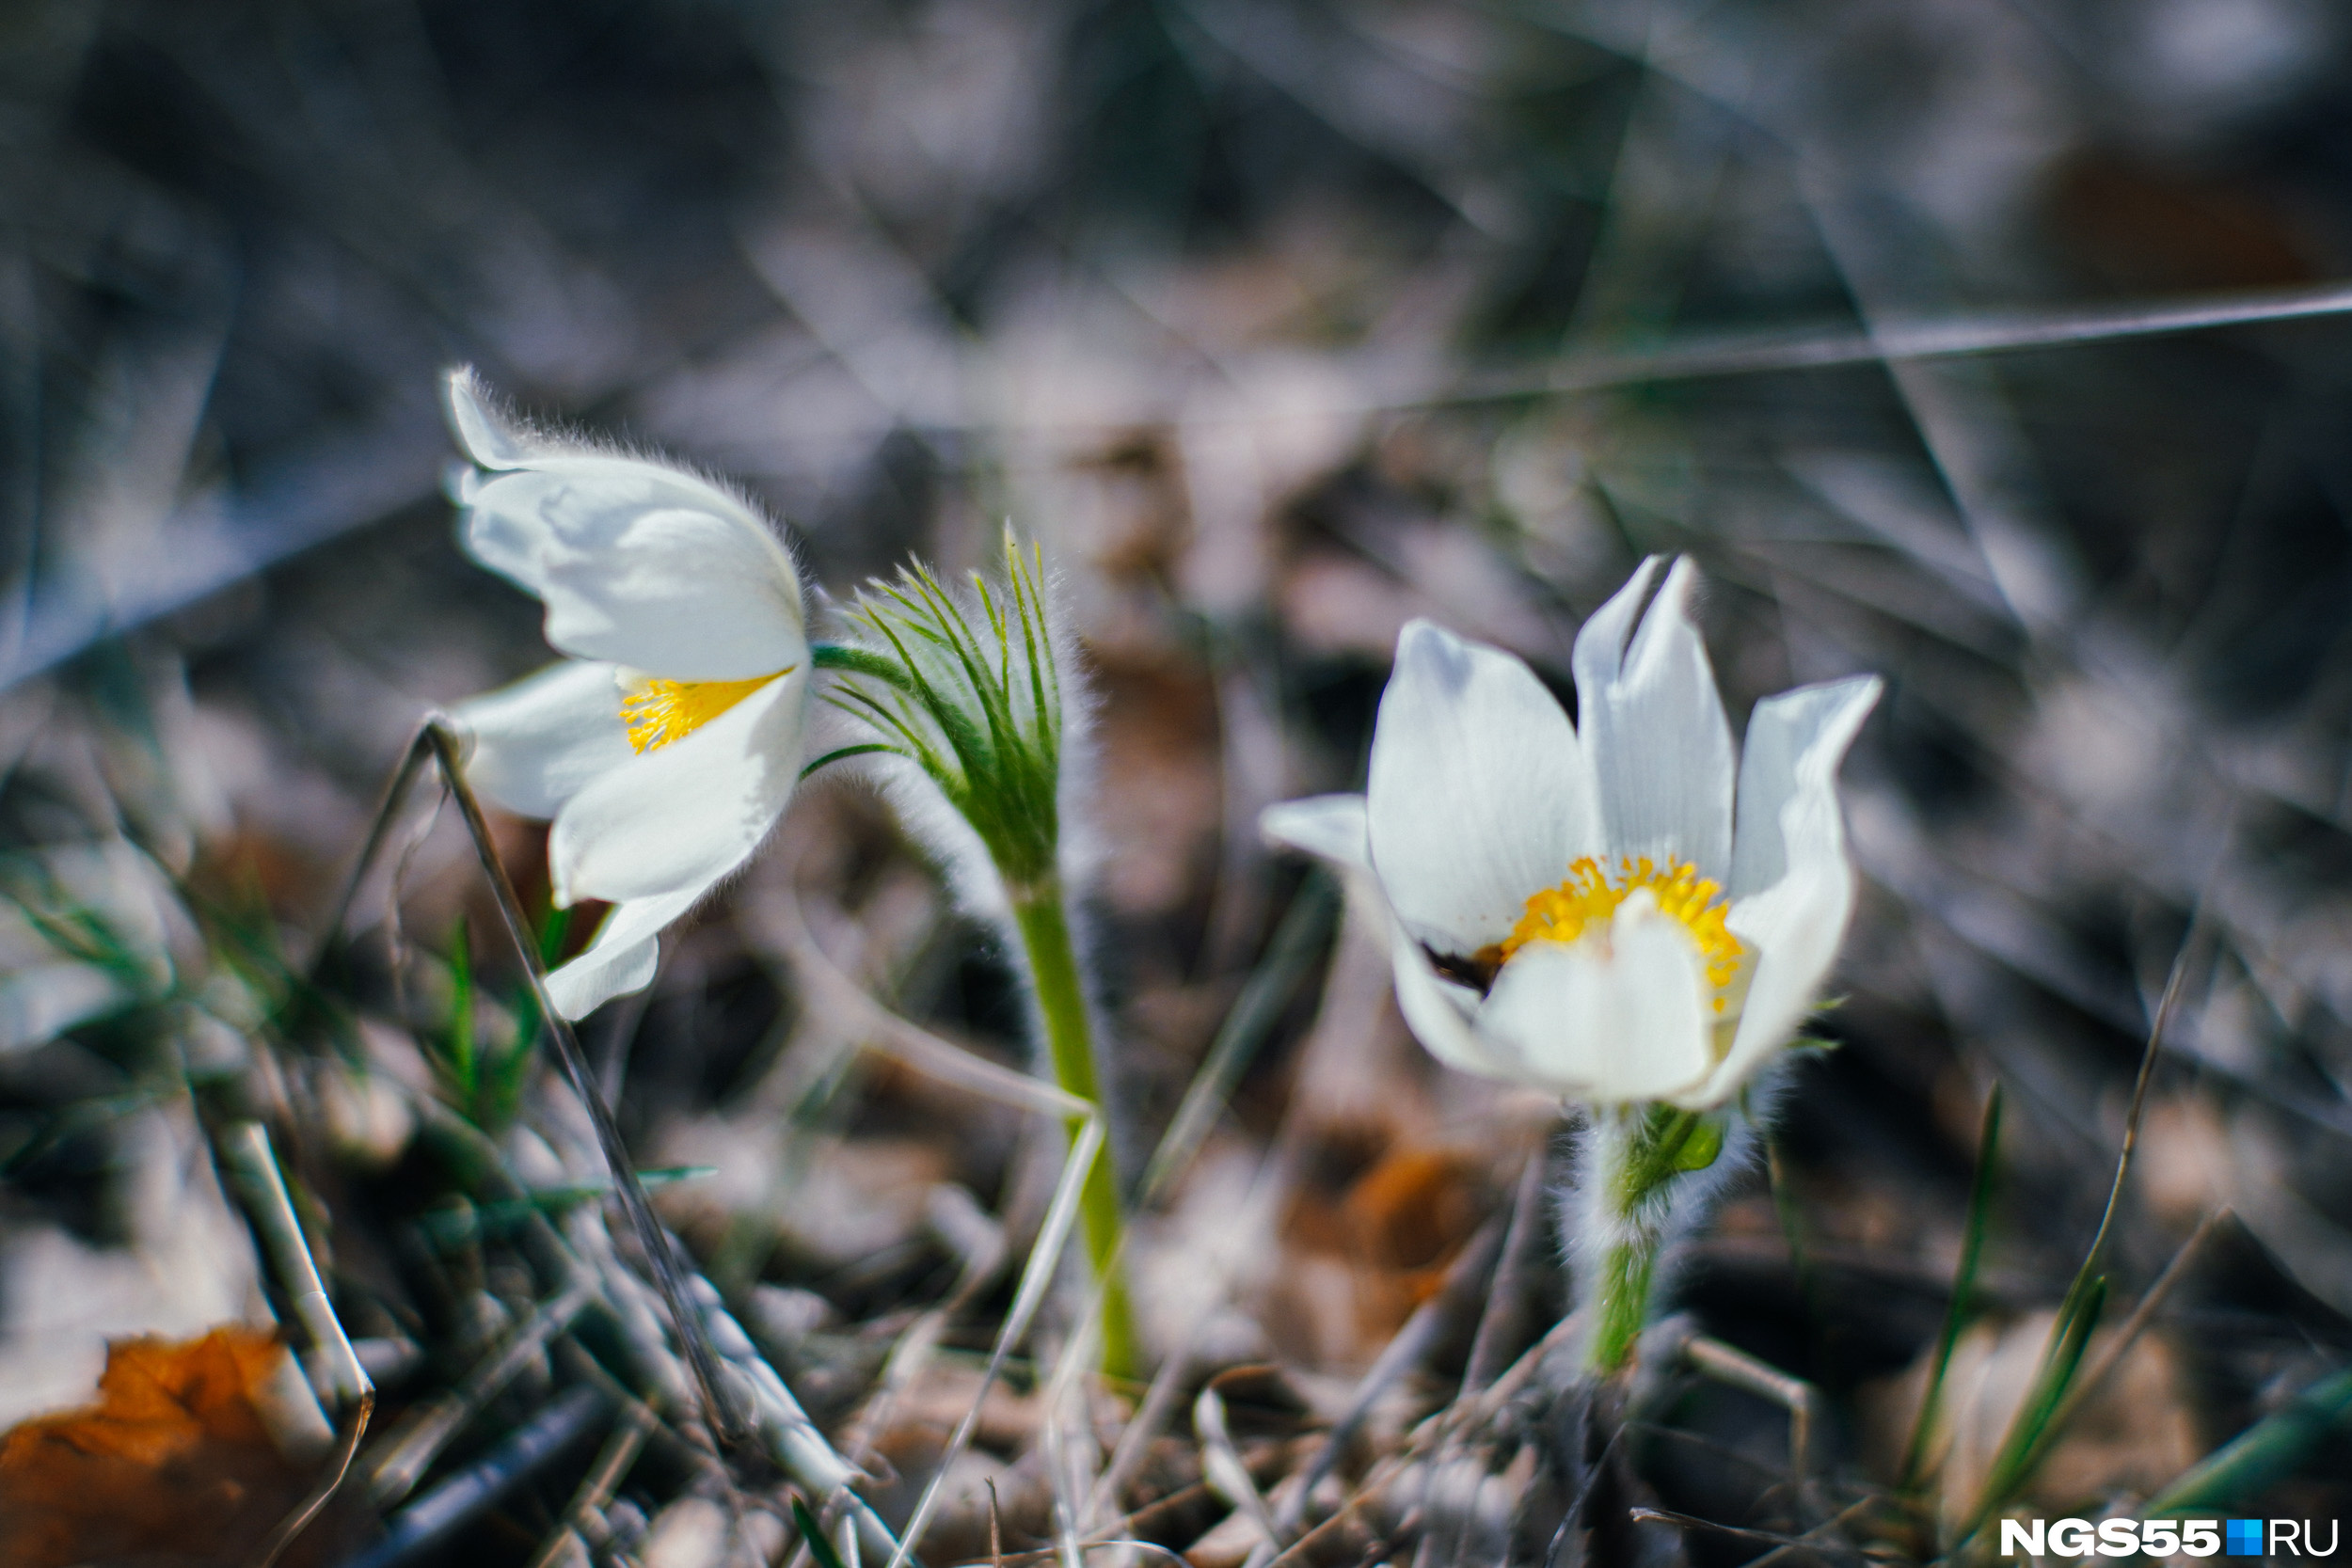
658,712
1592,893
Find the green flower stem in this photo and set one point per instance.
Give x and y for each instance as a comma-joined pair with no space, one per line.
1070,1041
1623,1300
1638,1156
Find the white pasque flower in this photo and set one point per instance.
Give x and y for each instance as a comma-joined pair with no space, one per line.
666,746
1591,912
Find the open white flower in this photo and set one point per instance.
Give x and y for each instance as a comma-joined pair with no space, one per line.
666,746
1599,914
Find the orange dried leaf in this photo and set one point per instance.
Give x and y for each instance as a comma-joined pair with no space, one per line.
174,1458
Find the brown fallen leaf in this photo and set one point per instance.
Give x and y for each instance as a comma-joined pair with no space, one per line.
178,1461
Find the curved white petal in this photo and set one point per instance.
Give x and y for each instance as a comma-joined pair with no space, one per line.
1808,728
1435,1010
1329,826
683,815
623,957
1439,1012
1604,1024
1653,726
1479,794
643,565
487,439
537,742
1794,926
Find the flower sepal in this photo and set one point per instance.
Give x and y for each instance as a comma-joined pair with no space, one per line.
1671,1142
967,686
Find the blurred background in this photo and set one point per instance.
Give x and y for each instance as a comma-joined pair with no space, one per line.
1278,323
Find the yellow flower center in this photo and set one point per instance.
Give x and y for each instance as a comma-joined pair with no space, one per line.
658,711
1590,897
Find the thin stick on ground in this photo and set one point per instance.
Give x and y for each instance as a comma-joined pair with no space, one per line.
881,1030
726,1412
728,1419
613,1462
246,1148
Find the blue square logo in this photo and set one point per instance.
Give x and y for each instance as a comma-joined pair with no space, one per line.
2244,1537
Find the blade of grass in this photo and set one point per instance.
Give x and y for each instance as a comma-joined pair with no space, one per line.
1303,934
2264,1454
2129,1331
1787,1210
463,1064
1964,1288
2035,1427
553,931
813,1535
457,1227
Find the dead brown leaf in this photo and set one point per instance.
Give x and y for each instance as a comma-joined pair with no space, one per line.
175,1460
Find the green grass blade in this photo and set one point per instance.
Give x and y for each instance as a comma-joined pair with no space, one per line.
1304,932
2032,1431
2036,1427
463,1067
1964,1288
818,1547
2267,1452
552,932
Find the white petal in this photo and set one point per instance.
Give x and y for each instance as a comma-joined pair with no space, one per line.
1603,1024
1653,725
1330,826
1439,1012
486,438
1794,926
1808,728
1478,794
643,565
1435,1010
683,815
623,957
537,742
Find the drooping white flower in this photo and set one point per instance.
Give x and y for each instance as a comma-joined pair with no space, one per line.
1601,912
667,744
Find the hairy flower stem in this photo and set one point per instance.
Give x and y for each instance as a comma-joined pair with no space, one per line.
1044,927
1639,1161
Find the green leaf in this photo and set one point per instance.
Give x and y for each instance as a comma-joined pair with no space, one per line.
1701,1145
1668,1144
842,753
